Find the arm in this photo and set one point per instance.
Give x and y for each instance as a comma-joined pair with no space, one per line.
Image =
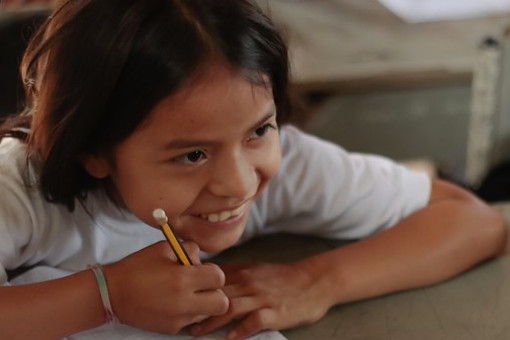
139,287
452,233
51,309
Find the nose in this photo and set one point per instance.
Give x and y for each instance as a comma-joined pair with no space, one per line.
234,177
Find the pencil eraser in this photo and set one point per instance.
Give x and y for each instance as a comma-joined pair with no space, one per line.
160,216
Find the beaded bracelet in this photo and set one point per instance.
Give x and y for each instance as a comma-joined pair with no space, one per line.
103,291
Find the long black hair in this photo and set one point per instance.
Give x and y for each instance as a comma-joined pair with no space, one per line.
96,68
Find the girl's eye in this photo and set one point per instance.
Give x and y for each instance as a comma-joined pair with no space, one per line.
261,131
191,157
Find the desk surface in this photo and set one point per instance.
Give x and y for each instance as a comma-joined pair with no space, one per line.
472,306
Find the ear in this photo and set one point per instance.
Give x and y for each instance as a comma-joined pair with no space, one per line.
97,166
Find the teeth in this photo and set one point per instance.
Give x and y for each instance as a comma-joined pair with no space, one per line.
213,217
223,215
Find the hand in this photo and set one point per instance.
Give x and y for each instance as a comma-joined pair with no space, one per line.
266,296
150,290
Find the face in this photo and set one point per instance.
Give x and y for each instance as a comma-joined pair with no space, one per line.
204,155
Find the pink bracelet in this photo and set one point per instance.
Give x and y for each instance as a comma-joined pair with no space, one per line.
103,291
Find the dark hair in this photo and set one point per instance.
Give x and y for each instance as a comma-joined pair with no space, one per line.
96,68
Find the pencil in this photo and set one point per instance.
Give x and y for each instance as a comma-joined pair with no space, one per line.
183,257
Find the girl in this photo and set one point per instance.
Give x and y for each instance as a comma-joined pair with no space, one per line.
179,104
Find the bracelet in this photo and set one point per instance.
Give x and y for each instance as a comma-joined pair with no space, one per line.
103,291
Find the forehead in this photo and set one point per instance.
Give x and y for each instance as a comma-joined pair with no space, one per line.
215,98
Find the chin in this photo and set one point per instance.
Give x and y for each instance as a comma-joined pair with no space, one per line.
217,246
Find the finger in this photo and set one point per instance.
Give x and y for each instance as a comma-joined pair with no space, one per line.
202,277
209,325
197,319
232,270
208,276
213,302
237,309
179,323
165,249
193,251
236,290
255,322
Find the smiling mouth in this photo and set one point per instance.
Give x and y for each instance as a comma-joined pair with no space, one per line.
222,215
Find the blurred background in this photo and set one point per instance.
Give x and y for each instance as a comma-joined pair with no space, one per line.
425,82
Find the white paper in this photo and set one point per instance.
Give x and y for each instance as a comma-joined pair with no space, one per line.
414,11
123,332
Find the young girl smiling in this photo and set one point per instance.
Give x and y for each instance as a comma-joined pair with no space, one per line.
141,104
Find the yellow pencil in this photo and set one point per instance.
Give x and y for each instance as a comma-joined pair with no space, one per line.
160,216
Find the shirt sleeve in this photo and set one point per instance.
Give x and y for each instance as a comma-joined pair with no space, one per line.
26,220
15,223
322,189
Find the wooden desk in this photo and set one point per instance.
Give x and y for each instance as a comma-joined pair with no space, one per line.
472,306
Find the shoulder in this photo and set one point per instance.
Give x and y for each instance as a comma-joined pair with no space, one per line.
13,158
10,145
293,139
27,221
308,158
322,188
322,160
17,204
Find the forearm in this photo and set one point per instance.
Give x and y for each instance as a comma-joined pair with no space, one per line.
50,309
432,245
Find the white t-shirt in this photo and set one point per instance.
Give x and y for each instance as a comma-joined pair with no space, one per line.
320,189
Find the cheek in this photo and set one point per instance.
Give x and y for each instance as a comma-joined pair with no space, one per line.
137,197
269,162
141,194
175,198
141,185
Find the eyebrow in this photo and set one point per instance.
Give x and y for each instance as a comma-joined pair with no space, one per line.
188,143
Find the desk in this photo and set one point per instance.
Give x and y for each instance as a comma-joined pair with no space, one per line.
472,306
